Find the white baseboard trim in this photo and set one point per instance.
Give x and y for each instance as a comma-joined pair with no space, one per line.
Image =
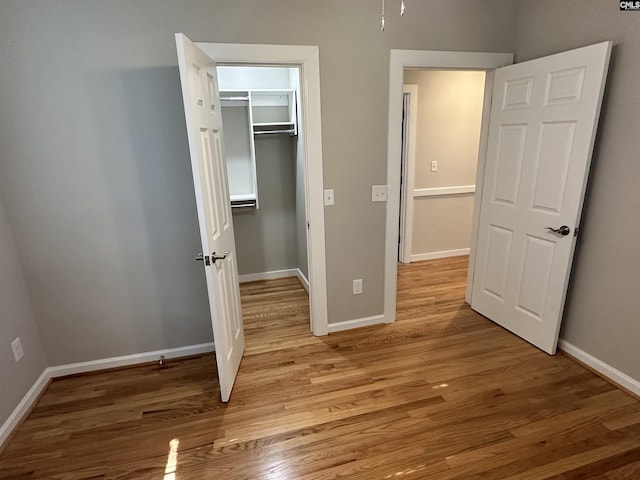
27,402
24,407
356,323
126,360
275,274
303,279
598,365
444,254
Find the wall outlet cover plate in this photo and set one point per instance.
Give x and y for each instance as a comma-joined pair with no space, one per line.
379,193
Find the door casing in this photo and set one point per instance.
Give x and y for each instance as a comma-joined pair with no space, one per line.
399,61
307,59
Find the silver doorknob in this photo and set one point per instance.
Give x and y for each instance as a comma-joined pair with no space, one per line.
215,256
205,258
563,230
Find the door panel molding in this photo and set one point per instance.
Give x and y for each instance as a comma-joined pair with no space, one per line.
204,134
559,107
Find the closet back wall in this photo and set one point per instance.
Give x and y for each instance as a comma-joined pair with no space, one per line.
266,237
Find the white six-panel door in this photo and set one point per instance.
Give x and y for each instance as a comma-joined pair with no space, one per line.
544,116
204,130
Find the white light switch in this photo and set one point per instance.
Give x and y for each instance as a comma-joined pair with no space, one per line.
379,193
434,166
328,197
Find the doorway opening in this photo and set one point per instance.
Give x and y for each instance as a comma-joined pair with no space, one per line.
401,60
265,154
441,127
542,124
306,60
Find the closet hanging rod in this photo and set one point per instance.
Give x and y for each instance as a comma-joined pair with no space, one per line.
243,205
273,132
235,99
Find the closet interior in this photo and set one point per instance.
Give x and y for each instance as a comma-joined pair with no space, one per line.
265,153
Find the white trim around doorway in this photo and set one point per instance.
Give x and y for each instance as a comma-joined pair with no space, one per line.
308,59
399,61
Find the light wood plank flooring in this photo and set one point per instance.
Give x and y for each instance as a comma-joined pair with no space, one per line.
441,394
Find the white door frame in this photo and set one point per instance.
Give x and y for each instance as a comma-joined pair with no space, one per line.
308,59
399,60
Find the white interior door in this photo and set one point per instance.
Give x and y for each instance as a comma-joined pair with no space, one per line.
407,176
204,129
544,116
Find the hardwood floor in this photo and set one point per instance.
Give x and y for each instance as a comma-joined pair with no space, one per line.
441,394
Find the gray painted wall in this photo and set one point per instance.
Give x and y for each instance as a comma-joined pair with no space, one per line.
93,174
266,237
94,167
602,314
16,320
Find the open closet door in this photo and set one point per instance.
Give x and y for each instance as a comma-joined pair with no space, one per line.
204,131
544,116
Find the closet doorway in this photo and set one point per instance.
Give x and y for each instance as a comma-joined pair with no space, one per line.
307,60
442,119
265,154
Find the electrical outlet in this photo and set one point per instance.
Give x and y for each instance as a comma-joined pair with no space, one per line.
18,353
328,197
357,287
379,193
434,166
